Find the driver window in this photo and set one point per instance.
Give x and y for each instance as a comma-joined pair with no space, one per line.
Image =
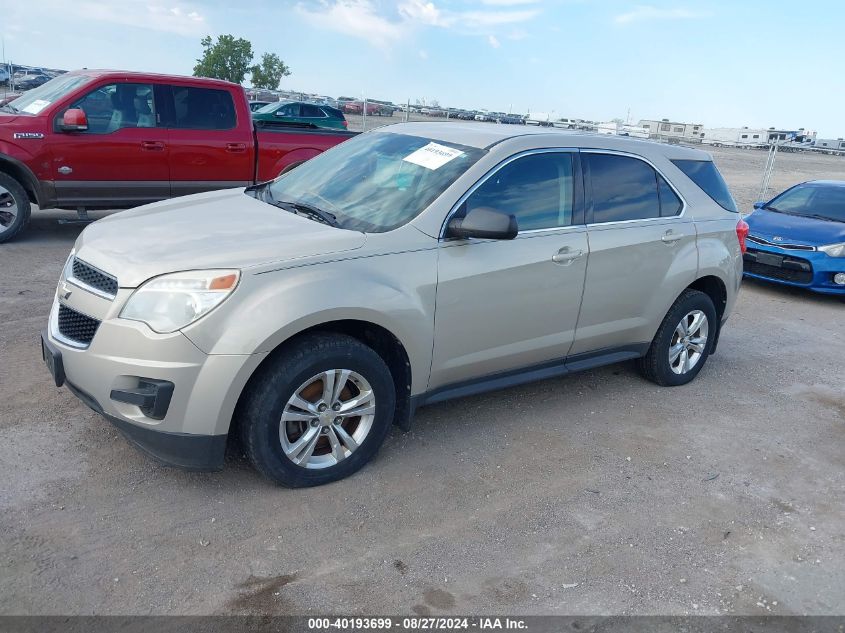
116,106
536,188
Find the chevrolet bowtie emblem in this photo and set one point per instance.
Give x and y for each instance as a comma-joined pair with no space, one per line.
64,291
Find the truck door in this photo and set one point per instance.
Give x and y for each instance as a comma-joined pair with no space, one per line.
121,159
210,148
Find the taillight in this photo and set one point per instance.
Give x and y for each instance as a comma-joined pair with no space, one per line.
741,233
345,123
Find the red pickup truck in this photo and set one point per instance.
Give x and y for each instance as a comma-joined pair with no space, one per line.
107,139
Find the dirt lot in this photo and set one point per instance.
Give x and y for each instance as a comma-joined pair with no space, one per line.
592,494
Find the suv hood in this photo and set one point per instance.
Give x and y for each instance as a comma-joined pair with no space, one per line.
220,229
794,229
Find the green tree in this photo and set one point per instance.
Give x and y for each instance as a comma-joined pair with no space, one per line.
228,58
269,72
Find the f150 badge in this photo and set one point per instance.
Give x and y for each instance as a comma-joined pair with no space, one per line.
27,135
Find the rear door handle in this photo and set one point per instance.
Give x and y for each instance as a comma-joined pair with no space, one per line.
152,146
566,256
235,148
670,236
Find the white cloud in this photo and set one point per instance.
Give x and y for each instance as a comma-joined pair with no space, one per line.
480,19
647,12
357,18
492,41
421,12
363,19
507,3
169,16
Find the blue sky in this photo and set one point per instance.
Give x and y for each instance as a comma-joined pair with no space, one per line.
720,63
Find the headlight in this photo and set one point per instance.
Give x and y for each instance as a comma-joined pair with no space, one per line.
834,250
171,302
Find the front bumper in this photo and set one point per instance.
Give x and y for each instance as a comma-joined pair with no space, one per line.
813,270
167,397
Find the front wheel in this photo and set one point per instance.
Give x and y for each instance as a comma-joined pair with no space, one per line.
14,208
683,341
318,412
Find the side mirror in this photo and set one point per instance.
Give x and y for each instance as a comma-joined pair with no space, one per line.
74,120
759,205
483,223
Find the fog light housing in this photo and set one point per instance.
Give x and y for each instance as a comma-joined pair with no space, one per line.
839,279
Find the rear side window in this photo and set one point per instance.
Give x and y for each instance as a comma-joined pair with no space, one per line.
707,177
202,109
311,111
624,188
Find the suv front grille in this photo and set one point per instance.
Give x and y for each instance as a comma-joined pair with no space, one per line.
94,278
793,269
76,326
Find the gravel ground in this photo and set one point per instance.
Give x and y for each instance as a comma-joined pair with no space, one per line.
597,493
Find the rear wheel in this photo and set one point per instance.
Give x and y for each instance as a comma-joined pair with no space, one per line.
14,208
319,412
683,342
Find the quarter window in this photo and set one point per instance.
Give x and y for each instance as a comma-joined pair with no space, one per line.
203,109
537,189
116,106
624,188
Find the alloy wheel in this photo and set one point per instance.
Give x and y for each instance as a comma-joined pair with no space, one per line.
8,209
689,341
327,418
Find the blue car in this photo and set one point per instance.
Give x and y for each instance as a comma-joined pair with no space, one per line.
798,237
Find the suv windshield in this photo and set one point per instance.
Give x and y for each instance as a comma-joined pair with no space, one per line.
35,100
376,182
813,201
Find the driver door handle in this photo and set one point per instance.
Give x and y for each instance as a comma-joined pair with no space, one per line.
670,236
566,255
152,146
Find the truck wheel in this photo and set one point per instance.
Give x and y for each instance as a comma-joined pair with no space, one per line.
14,208
683,341
318,411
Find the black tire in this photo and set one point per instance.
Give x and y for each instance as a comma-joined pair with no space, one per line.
655,365
18,224
260,413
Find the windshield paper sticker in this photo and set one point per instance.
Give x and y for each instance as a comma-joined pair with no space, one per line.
433,156
36,106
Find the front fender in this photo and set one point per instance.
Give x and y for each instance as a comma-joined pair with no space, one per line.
396,292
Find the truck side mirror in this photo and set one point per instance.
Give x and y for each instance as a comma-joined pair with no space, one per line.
74,120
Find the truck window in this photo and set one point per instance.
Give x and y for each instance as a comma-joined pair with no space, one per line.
203,109
116,106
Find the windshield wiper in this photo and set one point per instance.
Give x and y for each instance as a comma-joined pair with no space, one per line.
822,217
263,192
315,213
10,108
